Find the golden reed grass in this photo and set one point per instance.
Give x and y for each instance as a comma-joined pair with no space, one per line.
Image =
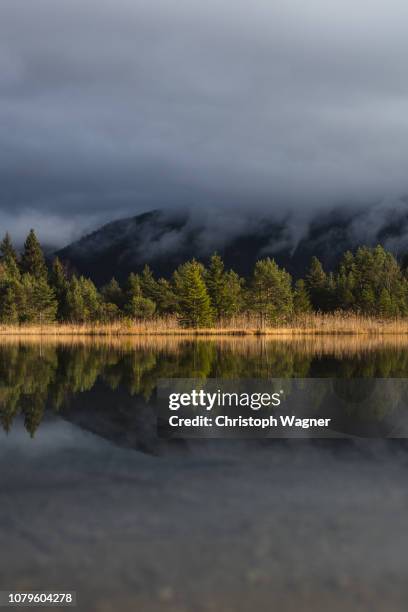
312,324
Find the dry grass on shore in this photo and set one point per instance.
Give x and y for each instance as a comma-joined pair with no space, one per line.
312,324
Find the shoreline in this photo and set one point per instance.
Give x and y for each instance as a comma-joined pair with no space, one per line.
338,324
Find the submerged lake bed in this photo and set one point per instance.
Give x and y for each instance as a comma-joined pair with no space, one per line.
93,501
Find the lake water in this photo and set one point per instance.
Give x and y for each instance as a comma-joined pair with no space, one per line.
92,500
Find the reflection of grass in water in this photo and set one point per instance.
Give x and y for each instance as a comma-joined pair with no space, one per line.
318,346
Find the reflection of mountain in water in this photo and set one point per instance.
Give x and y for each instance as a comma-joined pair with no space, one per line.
109,389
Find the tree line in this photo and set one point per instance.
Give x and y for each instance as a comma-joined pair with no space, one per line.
369,282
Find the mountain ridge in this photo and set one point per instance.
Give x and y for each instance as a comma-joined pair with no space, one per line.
165,239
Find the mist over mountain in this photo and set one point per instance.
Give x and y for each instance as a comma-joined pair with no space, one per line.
165,239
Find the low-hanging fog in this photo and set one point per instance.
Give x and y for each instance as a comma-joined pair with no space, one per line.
115,107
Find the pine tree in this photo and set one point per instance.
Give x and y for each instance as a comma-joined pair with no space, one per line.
140,308
385,306
112,293
316,285
7,250
32,259
59,283
91,299
44,301
194,304
301,300
75,302
137,306
166,298
149,285
271,291
37,300
215,281
8,307
224,288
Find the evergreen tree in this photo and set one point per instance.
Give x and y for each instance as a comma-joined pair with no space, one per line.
215,281
37,300
194,304
166,298
112,293
137,306
91,299
140,307
385,306
32,259
75,302
224,288
301,300
8,254
149,285
59,283
45,304
317,285
8,307
271,291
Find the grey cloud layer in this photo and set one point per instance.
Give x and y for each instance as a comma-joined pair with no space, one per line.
112,107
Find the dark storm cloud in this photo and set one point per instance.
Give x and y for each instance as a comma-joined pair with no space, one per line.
110,108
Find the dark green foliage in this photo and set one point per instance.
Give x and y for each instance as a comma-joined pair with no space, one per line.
149,285
317,286
140,308
301,300
271,292
8,306
112,293
37,301
75,302
137,305
91,299
224,288
166,298
194,304
370,282
32,259
7,251
83,301
59,283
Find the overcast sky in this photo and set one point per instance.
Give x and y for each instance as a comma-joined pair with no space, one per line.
112,107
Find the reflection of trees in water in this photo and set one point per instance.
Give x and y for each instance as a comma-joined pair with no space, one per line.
34,377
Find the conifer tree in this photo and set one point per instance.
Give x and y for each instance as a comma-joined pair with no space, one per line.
301,300
194,304
75,302
224,288
8,307
91,299
59,283
137,306
316,285
166,298
112,293
32,259
7,250
385,306
271,291
45,304
37,299
149,285
215,281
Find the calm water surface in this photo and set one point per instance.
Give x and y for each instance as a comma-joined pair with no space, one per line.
93,501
